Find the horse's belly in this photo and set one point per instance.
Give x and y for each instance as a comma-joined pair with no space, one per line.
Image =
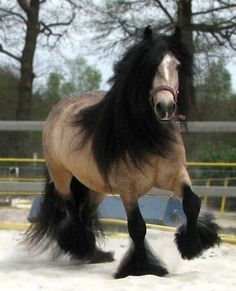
84,169
122,179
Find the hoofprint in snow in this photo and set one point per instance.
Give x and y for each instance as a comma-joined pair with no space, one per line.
21,269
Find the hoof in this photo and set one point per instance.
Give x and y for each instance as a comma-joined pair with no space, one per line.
206,237
101,257
75,240
140,260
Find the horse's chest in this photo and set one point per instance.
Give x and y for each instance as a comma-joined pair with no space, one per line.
167,171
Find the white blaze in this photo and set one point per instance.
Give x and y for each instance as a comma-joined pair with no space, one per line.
166,66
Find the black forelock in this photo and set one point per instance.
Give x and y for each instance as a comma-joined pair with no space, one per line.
123,126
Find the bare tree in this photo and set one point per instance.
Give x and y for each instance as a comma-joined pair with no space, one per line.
206,26
212,22
24,24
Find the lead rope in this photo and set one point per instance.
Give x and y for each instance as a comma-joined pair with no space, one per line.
180,117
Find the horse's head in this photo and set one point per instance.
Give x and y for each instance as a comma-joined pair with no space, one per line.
165,85
150,76
165,88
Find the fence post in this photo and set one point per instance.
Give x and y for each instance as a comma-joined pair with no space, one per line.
205,199
223,199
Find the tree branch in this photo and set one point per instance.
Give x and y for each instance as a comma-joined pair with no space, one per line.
214,9
75,5
223,2
9,54
220,43
126,27
212,27
47,30
48,27
10,13
232,45
165,11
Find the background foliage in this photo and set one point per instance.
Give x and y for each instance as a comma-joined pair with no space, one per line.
108,27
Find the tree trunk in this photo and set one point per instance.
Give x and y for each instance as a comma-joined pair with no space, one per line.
184,21
23,110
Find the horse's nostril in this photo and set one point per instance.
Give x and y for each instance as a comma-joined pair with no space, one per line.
158,106
171,107
174,107
160,109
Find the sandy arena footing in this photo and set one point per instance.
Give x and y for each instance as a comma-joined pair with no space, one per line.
21,269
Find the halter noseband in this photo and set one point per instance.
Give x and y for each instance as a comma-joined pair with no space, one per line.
165,88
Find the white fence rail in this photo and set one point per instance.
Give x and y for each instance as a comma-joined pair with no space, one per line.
193,127
196,126
212,191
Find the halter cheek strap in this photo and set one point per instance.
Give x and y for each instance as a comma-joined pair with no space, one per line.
165,88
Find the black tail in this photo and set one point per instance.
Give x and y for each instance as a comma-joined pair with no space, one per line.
52,212
71,223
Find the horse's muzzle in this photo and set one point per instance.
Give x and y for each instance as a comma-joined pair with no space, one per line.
165,111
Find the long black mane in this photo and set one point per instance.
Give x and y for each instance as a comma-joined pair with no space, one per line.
123,126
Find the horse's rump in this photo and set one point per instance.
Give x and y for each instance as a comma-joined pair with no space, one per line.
62,149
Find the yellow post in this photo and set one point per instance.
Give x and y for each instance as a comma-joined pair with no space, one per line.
205,199
223,199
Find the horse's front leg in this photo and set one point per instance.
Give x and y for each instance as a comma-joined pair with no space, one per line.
140,259
198,233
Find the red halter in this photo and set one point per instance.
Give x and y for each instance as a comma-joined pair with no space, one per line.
173,92
165,88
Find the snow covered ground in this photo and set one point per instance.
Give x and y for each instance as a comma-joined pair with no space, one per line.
21,270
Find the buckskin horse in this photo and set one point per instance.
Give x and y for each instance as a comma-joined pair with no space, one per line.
122,141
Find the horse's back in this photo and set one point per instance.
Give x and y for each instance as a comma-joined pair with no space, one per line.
62,115
67,107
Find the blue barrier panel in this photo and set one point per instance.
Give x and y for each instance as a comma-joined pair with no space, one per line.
160,210
174,214
35,209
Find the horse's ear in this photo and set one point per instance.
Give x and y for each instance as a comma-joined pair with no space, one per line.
147,34
177,34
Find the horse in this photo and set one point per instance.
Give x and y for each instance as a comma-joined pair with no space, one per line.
123,141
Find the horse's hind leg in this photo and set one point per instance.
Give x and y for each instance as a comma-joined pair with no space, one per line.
67,217
74,233
198,234
52,213
82,208
140,259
